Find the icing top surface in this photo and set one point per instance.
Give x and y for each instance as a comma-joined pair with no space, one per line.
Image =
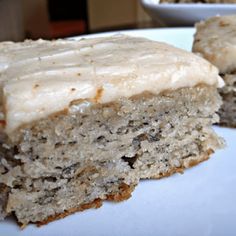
38,78
215,40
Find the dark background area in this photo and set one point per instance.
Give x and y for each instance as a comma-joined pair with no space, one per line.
49,19
67,10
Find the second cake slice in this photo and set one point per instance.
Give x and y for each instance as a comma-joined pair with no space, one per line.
215,40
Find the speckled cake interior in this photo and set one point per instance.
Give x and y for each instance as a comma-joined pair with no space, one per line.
95,152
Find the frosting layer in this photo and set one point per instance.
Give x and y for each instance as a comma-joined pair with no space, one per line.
215,40
38,78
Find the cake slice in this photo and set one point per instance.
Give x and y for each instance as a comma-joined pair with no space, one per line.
83,121
215,40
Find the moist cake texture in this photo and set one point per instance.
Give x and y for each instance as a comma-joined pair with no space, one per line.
215,40
143,109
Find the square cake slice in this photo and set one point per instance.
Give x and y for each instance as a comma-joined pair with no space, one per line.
83,121
215,40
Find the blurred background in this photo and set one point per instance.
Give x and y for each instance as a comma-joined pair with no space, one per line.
48,19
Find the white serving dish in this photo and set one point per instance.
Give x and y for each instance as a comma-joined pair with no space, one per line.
199,202
179,14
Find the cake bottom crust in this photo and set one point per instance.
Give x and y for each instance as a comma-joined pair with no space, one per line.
125,191
124,194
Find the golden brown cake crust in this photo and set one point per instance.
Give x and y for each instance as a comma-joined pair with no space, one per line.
95,204
183,166
124,194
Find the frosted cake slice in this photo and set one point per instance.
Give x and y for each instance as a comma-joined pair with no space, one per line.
215,40
84,121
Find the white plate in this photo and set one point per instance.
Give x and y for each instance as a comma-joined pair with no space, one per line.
180,14
200,202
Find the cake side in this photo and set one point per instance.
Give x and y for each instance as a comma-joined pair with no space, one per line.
95,152
228,109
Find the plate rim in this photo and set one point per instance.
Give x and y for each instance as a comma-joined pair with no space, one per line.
157,4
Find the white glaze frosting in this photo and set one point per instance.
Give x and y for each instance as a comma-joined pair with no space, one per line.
215,40
38,78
